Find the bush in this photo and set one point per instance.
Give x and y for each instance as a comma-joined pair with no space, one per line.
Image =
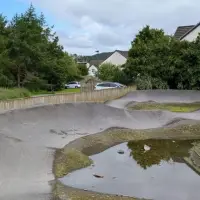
147,83
110,72
35,84
13,93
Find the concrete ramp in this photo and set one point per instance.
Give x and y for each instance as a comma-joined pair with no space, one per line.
28,137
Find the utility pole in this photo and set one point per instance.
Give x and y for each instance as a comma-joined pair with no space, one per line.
97,52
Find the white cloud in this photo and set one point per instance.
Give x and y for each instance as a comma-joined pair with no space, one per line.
110,24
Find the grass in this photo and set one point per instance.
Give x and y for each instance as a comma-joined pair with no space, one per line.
43,92
173,107
69,160
13,93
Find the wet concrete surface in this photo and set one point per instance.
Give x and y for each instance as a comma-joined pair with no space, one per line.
28,137
143,175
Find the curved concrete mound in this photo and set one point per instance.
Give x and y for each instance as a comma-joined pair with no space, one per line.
29,138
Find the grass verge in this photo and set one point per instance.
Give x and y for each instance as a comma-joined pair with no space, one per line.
64,91
13,93
173,107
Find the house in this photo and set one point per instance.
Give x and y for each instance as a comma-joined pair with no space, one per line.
93,62
189,33
117,58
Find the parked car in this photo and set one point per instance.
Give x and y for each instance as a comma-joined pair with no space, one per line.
73,84
108,85
121,85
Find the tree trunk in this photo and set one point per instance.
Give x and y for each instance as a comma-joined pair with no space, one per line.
18,77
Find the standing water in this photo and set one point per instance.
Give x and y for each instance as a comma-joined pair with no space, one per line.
158,172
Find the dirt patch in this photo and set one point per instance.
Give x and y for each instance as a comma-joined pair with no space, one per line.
173,107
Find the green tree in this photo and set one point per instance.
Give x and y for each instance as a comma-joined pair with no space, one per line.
82,69
32,55
6,78
110,72
150,57
158,61
106,72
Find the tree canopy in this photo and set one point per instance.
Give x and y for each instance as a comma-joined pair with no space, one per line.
31,55
159,61
110,72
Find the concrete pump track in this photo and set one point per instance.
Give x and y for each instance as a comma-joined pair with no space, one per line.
29,138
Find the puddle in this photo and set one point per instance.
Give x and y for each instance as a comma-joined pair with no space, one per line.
127,169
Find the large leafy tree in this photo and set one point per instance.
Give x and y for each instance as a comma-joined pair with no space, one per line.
6,78
160,61
32,55
110,72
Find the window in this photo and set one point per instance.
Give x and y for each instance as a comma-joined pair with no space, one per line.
113,85
71,83
104,85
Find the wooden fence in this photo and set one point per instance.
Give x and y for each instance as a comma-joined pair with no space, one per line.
92,96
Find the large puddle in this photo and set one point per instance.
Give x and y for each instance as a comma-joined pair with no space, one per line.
128,169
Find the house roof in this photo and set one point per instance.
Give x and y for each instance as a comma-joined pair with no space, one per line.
123,53
181,31
189,31
97,59
101,57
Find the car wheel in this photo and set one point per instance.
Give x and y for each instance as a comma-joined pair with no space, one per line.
76,86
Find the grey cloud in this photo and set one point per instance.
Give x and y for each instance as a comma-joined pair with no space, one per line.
108,24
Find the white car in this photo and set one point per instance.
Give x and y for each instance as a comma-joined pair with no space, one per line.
73,84
107,85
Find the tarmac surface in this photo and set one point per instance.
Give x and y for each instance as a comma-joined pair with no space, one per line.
28,138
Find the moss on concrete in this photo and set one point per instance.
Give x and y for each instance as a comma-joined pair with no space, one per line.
62,192
173,107
75,155
69,160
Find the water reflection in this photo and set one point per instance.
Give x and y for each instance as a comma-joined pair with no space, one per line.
159,174
160,150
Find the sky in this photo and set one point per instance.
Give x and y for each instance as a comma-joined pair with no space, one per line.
85,26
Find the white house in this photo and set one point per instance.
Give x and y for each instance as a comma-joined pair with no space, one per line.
92,70
189,33
117,58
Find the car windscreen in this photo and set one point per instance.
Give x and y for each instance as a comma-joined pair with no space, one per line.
103,85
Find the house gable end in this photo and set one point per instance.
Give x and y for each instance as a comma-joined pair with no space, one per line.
116,59
192,34
182,30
